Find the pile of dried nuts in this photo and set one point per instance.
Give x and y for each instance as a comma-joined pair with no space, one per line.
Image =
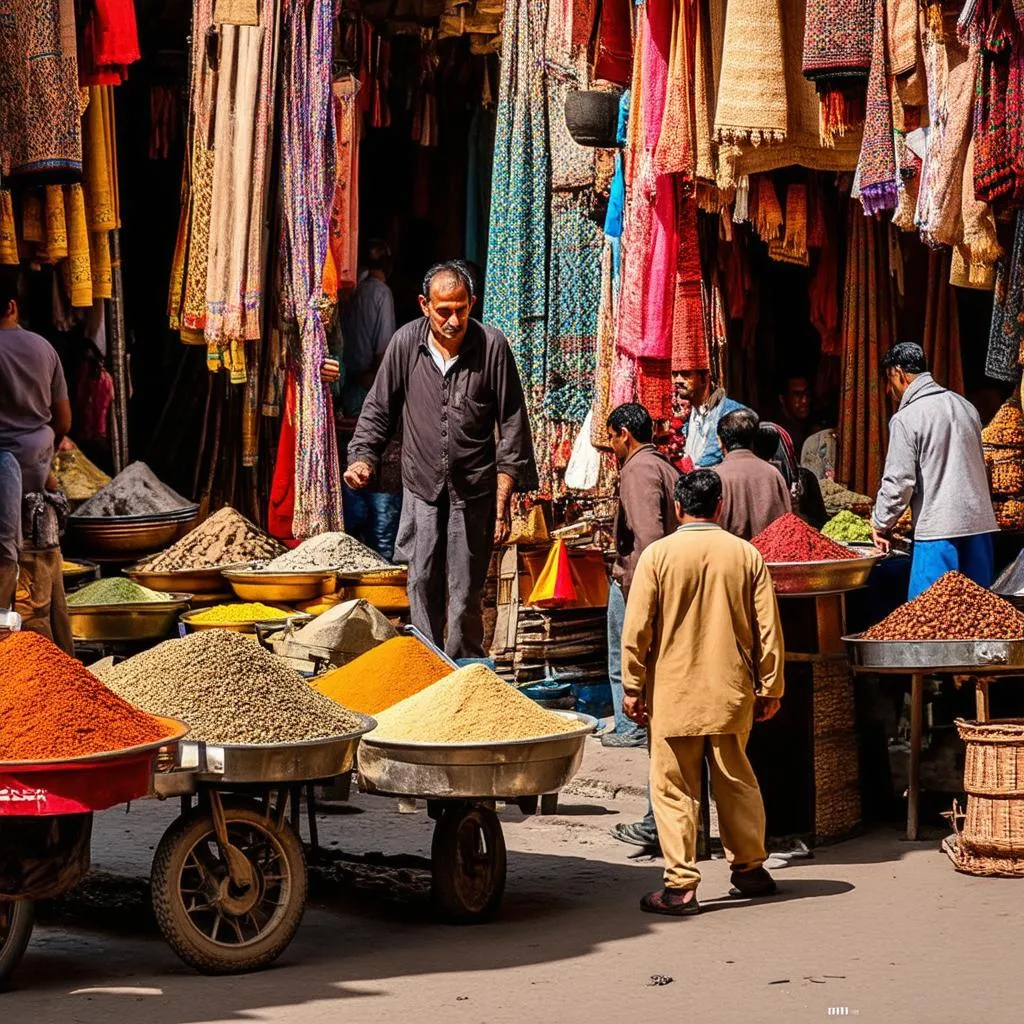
952,608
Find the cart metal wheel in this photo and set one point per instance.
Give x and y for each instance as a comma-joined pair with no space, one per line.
16,920
469,863
214,925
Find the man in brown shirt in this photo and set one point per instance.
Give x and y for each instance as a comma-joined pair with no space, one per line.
702,660
754,493
646,513
453,385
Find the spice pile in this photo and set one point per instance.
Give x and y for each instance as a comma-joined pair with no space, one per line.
229,690
837,497
790,539
472,705
225,538
328,551
115,590
52,707
135,491
233,614
846,526
79,479
383,676
952,608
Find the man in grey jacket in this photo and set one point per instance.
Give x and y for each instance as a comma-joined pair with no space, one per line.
935,464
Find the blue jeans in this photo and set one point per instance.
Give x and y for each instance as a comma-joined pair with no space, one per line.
616,616
372,518
973,556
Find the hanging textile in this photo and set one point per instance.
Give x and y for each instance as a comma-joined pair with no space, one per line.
1006,336
753,101
281,507
689,337
613,49
244,108
837,58
576,242
56,223
345,207
516,295
8,231
480,149
868,331
605,356
109,42
974,259
802,144
876,168
941,337
187,300
707,64
40,120
308,176
824,291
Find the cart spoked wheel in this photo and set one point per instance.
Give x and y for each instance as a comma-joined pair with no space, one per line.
16,920
469,863
231,906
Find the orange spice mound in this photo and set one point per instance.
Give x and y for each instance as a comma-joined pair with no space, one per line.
384,675
53,707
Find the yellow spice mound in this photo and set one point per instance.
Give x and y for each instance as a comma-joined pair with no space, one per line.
472,705
234,613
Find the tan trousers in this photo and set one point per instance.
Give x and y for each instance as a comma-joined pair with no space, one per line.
41,604
8,584
675,795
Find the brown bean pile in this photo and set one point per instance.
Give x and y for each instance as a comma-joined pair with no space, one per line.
952,608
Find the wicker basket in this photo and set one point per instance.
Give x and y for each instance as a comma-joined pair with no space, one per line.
1006,471
833,697
1009,513
990,836
837,807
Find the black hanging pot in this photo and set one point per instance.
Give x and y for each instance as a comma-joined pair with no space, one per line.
592,118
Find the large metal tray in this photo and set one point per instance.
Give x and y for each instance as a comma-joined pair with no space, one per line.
125,536
282,587
237,763
195,581
149,620
990,657
797,579
516,768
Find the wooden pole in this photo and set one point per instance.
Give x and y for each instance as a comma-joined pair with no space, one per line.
916,735
118,355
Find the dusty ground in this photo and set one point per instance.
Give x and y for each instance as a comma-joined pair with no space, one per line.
884,928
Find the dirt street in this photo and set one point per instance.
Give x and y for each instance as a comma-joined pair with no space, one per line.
883,928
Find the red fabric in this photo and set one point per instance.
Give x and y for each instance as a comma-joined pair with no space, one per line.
583,15
110,42
654,387
282,489
689,338
614,49
93,398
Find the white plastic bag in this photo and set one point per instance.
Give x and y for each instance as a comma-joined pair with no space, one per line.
585,461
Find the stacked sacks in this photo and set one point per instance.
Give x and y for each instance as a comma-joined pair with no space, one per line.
1003,443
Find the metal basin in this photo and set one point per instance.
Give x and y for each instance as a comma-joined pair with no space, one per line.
191,626
283,588
150,620
516,768
126,536
193,581
989,657
794,579
236,763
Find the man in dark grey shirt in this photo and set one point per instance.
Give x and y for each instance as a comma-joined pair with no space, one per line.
453,384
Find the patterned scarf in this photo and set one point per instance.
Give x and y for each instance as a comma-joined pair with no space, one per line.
877,165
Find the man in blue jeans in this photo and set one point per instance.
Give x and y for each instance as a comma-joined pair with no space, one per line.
646,514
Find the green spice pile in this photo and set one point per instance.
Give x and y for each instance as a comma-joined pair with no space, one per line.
328,551
226,538
847,527
471,705
228,689
135,491
115,590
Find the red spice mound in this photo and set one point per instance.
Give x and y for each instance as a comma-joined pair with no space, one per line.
790,539
52,706
952,608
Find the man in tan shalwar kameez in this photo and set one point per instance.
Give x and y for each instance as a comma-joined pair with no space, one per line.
702,660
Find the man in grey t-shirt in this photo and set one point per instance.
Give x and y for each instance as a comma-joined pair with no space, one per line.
35,414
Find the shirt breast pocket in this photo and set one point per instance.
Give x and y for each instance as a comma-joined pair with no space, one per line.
476,418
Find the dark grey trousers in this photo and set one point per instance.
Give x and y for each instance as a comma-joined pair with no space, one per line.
448,548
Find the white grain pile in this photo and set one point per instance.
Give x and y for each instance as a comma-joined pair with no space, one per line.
329,551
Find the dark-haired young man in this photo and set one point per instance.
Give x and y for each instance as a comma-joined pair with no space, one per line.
754,493
646,513
936,465
702,660
453,385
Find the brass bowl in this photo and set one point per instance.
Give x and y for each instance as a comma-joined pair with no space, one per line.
196,581
281,588
383,597
149,620
191,626
121,536
83,572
